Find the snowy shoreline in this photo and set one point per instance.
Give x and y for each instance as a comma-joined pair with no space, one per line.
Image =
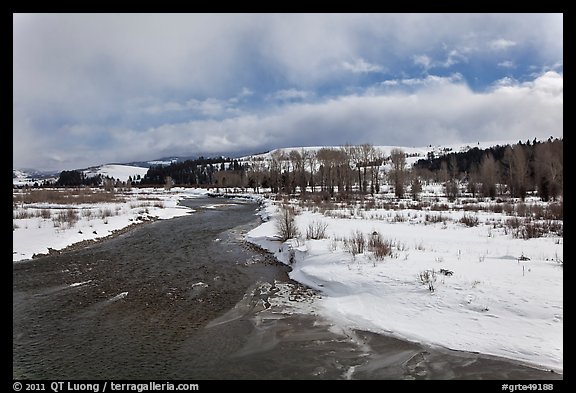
493,303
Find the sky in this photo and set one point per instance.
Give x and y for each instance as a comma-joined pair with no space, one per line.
91,89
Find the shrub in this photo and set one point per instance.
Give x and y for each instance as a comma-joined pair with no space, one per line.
316,230
380,247
68,216
440,207
470,221
428,278
513,223
533,229
105,213
497,208
286,222
356,243
472,207
435,218
45,213
22,214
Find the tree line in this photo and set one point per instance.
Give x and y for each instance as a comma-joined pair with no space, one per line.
514,169
198,172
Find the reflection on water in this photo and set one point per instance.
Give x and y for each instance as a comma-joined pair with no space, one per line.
187,299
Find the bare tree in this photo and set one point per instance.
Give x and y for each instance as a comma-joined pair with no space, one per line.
302,180
108,184
548,170
350,152
488,175
168,183
341,168
376,160
275,170
398,173
453,166
297,168
365,152
443,173
415,185
256,175
518,171
452,189
473,181
327,159
311,161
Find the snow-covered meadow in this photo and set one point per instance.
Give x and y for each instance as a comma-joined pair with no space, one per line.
493,292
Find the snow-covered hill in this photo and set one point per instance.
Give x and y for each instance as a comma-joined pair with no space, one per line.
23,177
117,171
419,152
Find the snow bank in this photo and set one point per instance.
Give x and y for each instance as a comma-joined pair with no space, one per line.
493,303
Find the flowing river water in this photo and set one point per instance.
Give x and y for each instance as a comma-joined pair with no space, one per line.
187,298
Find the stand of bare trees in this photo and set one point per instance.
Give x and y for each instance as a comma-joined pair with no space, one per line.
515,170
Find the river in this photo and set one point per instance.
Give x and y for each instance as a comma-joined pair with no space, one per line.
187,298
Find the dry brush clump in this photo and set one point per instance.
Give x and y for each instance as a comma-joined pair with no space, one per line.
105,213
316,230
441,207
45,214
22,214
67,217
469,220
435,218
356,243
530,229
380,247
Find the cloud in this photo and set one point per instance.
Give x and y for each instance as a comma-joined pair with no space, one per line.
453,56
210,107
290,94
501,44
507,64
423,61
361,66
428,80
